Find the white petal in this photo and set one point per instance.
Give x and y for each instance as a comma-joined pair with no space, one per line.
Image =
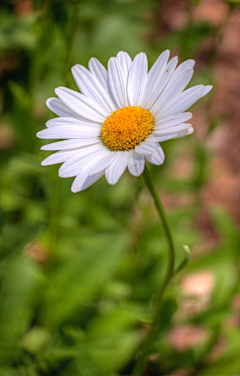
172,120
59,108
84,169
186,65
125,62
180,78
67,121
174,87
188,129
99,71
185,132
82,105
206,90
103,162
79,181
72,131
91,180
162,82
183,101
154,77
169,130
80,161
89,85
157,158
167,133
59,157
136,164
70,144
145,148
137,79
117,168
116,82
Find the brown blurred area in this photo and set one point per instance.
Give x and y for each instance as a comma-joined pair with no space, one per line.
223,183
223,142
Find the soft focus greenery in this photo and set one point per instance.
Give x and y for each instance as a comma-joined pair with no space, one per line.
79,271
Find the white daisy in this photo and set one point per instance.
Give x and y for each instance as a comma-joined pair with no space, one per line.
120,117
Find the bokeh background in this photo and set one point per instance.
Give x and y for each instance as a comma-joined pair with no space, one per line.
79,271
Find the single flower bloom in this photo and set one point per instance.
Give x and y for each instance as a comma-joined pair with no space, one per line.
120,116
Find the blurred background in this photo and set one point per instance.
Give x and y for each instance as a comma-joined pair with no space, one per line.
78,271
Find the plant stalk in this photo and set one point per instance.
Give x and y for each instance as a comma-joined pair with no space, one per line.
151,335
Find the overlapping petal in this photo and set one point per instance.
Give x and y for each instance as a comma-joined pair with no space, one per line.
70,144
67,121
162,82
81,184
157,157
59,157
171,121
117,167
185,132
72,131
186,65
59,108
83,176
136,164
167,133
100,72
145,148
173,88
125,62
154,77
137,79
103,162
116,82
89,85
82,105
183,101
79,161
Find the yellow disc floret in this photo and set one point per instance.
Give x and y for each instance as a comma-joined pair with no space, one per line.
126,128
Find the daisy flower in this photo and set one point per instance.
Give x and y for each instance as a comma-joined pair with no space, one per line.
120,117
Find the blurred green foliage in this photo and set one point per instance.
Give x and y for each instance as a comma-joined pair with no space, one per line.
79,271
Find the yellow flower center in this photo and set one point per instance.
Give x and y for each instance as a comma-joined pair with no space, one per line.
126,128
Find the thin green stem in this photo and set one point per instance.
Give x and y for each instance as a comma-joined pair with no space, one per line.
151,335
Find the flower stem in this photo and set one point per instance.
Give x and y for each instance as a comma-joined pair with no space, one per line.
151,335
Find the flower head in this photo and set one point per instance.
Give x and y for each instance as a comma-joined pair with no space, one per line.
120,116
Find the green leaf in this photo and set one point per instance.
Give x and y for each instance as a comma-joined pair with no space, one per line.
135,312
16,32
35,340
187,252
20,281
226,228
233,2
21,96
112,351
86,364
169,306
14,238
229,363
83,275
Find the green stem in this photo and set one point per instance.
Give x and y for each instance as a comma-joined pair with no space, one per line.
151,335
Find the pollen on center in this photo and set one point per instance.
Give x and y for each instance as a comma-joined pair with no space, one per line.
126,128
